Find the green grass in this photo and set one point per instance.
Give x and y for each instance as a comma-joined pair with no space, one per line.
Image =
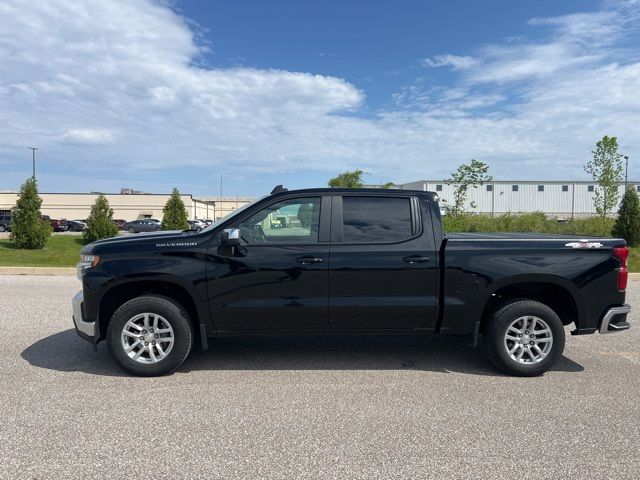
634,259
60,251
64,251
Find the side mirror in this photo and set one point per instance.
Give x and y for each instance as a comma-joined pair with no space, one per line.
230,237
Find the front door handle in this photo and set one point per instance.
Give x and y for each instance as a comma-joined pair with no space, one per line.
416,259
308,260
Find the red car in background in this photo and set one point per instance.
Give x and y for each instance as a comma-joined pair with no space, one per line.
58,225
119,223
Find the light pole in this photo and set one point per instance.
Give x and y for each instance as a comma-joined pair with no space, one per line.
626,170
33,152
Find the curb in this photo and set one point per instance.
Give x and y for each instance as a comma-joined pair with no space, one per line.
51,271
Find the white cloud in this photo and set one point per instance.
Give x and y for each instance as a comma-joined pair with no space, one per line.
125,76
88,136
456,62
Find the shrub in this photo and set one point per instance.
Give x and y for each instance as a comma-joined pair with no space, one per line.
589,227
100,222
627,224
536,222
174,213
27,229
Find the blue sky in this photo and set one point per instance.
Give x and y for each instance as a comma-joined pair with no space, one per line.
376,46
154,95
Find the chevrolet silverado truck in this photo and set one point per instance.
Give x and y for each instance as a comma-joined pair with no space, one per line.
347,261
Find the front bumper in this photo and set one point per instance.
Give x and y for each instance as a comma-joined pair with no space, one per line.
615,319
87,330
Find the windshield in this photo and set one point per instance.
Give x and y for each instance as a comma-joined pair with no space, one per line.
231,214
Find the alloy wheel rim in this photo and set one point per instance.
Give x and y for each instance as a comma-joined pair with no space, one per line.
528,340
147,338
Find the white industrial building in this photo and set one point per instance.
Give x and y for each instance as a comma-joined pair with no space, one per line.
561,198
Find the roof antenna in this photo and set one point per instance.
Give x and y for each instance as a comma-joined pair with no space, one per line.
278,189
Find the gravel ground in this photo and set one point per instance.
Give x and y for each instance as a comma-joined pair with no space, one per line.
376,407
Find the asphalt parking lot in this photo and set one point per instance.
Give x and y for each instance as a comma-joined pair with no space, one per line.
365,407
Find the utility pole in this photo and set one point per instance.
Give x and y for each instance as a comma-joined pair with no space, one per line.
220,187
33,152
626,170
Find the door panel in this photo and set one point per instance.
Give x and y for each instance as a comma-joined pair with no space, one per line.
383,285
270,287
278,278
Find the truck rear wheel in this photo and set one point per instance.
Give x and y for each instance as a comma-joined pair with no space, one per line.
150,336
524,338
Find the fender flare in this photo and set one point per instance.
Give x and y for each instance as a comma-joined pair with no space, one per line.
485,296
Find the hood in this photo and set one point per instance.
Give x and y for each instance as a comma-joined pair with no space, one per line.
135,241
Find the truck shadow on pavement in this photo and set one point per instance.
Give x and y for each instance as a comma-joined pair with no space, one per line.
65,352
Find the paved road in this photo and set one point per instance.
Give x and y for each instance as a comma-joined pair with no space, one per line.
307,408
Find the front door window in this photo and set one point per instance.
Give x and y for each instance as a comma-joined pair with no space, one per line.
293,221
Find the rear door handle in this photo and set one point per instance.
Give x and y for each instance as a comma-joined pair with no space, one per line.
416,259
308,260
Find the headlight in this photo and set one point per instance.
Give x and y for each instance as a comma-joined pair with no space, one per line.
86,261
89,260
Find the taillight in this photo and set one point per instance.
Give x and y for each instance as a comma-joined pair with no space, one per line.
622,254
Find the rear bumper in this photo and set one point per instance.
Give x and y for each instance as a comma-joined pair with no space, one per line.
615,319
86,329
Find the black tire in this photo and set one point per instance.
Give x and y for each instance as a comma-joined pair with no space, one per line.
157,229
3,228
497,327
132,230
173,313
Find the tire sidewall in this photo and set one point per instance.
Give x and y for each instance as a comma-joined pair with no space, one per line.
501,320
172,313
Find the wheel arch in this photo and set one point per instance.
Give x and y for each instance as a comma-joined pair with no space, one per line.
122,292
557,293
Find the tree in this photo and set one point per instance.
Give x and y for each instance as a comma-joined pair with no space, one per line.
388,185
606,169
174,213
100,221
348,180
467,175
28,230
627,224
305,214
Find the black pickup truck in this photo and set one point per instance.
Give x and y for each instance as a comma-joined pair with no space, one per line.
347,261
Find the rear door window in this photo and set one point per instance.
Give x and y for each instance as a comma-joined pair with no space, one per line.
376,219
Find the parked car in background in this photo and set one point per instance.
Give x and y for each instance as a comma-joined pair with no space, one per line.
5,223
76,225
196,225
119,223
137,226
59,224
208,221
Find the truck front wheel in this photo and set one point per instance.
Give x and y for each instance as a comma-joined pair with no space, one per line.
150,336
524,338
